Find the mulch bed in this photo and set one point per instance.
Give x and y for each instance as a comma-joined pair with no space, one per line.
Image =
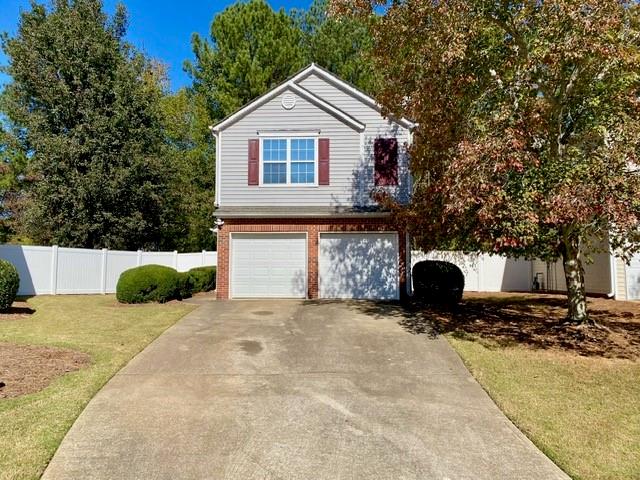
18,309
536,321
30,368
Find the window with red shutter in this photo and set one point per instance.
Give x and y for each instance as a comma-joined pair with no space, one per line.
385,151
323,161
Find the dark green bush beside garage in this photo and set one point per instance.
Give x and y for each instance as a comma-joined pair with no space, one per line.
151,283
157,283
438,282
203,279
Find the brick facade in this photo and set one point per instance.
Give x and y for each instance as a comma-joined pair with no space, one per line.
313,227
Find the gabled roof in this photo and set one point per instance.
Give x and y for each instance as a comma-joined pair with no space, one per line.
347,88
292,84
304,93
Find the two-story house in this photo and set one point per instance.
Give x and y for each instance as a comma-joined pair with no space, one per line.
295,170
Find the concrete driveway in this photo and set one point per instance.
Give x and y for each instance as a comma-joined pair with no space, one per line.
249,390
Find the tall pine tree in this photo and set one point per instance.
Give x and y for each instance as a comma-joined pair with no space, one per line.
251,49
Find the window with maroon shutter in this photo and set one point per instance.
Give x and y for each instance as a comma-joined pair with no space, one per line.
385,151
323,161
253,172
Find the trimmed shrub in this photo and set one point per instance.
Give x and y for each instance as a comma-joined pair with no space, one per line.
203,278
436,281
185,285
151,283
9,283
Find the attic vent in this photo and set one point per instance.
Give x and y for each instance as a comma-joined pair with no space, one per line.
288,101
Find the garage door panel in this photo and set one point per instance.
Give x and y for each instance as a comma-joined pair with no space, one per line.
359,265
268,265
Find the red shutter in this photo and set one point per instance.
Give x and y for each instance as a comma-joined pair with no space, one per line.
385,151
323,161
254,160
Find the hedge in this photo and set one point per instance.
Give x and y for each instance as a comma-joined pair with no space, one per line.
9,284
203,279
436,281
152,283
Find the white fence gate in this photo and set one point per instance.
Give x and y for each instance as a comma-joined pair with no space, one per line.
485,273
58,270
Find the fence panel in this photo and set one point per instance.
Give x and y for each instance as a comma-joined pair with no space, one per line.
117,262
79,271
187,261
33,265
484,273
51,270
167,259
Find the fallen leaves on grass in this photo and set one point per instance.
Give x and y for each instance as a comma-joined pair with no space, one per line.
536,321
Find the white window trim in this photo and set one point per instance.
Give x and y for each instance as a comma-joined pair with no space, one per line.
288,137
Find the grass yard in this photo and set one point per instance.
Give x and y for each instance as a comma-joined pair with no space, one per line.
575,394
32,425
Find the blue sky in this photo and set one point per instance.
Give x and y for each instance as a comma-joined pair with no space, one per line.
161,28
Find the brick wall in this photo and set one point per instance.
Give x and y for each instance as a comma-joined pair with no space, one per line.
312,227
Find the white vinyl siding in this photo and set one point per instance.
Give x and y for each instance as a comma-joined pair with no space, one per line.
376,127
358,265
351,153
621,279
266,265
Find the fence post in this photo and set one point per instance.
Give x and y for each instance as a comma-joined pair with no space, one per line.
103,279
175,259
204,258
54,269
139,259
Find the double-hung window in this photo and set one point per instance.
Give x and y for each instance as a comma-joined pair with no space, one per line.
274,160
289,161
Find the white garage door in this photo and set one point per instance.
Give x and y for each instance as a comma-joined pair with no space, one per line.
268,265
359,265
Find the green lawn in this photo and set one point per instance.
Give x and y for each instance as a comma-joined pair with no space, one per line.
32,426
583,412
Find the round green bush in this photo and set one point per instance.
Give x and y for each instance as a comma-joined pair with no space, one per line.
9,283
151,283
203,279
436,281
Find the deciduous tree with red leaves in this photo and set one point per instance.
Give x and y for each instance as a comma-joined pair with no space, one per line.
529,124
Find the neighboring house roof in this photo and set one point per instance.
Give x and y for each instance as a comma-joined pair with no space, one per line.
299,212
292,84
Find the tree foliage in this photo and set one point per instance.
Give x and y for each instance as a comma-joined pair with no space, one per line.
191,151
340,44
85,107
529,126
253,48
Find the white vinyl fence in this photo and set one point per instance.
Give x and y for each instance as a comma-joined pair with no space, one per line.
485,273
57,270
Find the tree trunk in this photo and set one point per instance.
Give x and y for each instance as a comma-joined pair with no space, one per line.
574,276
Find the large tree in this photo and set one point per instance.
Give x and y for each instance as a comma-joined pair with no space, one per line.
251,49
86,109
191,151
342,45
529,124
